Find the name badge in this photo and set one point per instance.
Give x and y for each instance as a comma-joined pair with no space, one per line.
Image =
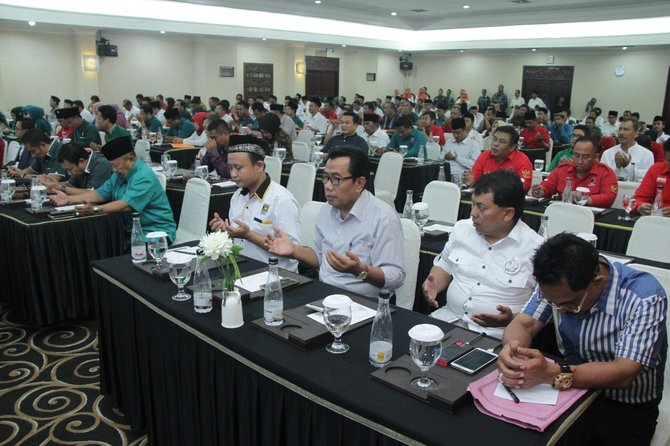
512,266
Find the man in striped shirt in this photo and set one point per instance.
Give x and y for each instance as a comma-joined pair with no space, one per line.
611,322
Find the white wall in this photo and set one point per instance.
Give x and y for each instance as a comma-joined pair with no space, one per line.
34,65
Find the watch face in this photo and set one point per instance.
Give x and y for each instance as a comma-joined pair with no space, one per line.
563,381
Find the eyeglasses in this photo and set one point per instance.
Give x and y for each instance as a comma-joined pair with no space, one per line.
567,306
335,181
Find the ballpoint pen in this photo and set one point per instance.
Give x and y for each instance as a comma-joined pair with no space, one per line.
512,394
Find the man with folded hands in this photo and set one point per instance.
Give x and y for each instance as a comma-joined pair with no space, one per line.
584,171
86,170
611,329
485,266
259,204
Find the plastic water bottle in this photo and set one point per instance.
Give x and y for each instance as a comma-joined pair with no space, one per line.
202,287
422,154
381,336
632,175
441,176
567,192
273,302
407,211
657,205
159,136
544,227
138,246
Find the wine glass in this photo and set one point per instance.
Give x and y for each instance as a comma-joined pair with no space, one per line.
581,195
157,243
538,165
281,153
421,214
403,150
37,195
317,139
337,316
425,348
456,179
171,168
7,189
164,159
202,172
628,205
180,274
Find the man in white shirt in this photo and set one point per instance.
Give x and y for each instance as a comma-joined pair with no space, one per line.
314,120
486,264
611,127
628,154
356,245
659,128
83,112
259,204
472,133
516,100
285,122
535,102
460,151
372,134
130,110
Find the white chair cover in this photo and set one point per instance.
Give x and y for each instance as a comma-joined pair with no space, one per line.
301,182
11,151
301,151
142,148
566,217
433,150
444,199
405,295
308,214
650,239
305,136
194,211
387,177
627,188
273,168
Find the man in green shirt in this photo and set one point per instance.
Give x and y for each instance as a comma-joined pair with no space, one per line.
87,170
84,132
179,127
565,155
407,135
105,121
133,187
45,154
148,120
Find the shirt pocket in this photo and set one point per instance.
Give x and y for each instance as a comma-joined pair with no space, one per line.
511,280
262,226
461,258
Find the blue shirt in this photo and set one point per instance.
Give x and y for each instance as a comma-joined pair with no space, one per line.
415,140
561,135
341,140
627,321
140,189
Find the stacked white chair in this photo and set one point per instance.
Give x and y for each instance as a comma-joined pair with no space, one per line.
194,211
625,188
433,150
301,151
405,295
301,182
11,151
443,198
650,240
305,135
387,177
566,217
308,214
273,168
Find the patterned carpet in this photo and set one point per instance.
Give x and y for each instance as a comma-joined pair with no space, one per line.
49,391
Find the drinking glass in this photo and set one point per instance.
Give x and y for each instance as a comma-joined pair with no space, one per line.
157,243
425,347
403,150
581,195
7,189
436,139
456,179
281,153
164,159
37,196
318,139
421,214
152,137
337,317
180,274
202,172
628,205
171,169
538,165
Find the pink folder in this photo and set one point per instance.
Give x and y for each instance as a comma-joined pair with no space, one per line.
526,415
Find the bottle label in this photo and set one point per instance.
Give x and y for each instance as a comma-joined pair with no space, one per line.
139,253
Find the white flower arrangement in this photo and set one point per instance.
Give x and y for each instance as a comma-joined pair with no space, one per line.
218,246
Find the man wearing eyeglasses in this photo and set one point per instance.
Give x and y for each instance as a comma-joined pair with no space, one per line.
357,244
611,323
584,171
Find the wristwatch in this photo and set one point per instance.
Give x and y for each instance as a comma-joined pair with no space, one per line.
363,274
96,210
563,381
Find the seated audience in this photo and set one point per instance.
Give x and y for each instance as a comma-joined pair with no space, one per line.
428,126
534,136
407,135
86,171
348,135
628,156
565,155
105,121
179,127
216,158
44,152
646,193
460,151
376,138
272,134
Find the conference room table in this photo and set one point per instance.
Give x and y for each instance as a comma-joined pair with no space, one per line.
186,380
45,264
185,156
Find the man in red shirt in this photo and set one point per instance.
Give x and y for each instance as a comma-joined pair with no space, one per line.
585,171
427,125
645,194
504,154
534,136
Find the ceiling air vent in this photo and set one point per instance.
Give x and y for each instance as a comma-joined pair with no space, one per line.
419,11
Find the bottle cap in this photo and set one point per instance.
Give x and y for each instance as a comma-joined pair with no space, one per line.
337,301
136,215
426,333
273,260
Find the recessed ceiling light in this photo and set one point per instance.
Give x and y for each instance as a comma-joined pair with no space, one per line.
394,13
265,38
344,46
162,31
31,23
624,48
461,51
400,51
318,2
534,49
466,6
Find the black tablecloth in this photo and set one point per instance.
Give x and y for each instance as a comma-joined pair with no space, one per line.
44,266
534,154
190,381
219,200
185,157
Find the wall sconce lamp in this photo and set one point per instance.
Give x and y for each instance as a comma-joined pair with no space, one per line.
90,62
300,67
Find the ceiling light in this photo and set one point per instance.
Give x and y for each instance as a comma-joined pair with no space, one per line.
318,2
466,6
31,23
624,48
461,51
162,31
265,38
394,13
344,46
534,49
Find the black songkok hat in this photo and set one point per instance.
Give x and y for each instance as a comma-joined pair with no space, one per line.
370,117
117,148
70,112
613,113
171,113
457,123
276,107
530,116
